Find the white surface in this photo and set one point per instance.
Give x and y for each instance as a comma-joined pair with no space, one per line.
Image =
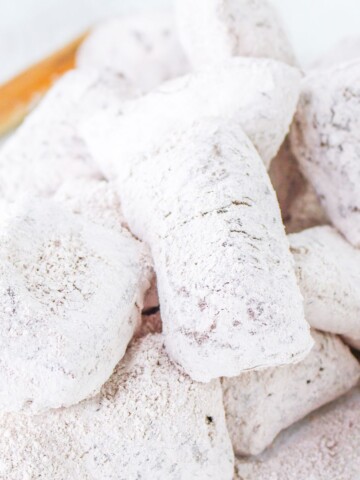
30,29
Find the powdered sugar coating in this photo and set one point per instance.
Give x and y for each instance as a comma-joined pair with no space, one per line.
213,30
324,446
47,149
325,140
143,47
96,200
205,193
70,301
149,421
286,393
328,273
259,95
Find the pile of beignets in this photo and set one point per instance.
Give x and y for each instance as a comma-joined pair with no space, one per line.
180,257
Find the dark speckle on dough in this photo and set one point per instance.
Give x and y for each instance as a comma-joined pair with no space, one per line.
209,420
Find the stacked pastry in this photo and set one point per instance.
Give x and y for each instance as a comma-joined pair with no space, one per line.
158,323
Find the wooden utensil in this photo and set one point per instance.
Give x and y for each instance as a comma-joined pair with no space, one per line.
19,95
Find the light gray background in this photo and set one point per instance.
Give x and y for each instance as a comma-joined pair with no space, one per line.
31,29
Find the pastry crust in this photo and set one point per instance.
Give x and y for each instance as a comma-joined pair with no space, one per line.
300,207
286,179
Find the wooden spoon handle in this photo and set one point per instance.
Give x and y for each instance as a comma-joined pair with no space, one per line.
21,93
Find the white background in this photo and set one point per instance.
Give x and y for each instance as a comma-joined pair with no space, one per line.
31,29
